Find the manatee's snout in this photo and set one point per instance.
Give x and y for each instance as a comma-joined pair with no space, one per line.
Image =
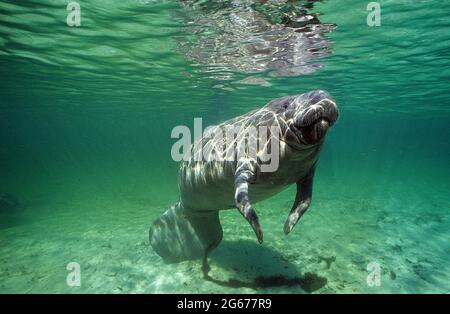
317,112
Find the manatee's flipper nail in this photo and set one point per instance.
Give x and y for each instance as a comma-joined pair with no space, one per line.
295,215
291,221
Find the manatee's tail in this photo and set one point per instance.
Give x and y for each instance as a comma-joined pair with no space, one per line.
181,234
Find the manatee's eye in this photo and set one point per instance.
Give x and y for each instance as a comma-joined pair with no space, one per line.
283,108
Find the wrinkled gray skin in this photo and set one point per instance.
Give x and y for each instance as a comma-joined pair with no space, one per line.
191,228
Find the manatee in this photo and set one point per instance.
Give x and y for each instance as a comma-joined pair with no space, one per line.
233,174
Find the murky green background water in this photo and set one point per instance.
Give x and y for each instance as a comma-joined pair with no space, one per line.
85,120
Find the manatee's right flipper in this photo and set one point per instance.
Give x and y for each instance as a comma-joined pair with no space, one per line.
182,235
302,200
246,173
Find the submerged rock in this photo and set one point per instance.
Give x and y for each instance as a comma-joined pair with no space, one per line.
393,275
328,260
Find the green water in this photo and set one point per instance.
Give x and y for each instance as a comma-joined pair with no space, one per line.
86,115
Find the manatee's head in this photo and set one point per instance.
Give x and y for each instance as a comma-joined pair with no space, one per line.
305,118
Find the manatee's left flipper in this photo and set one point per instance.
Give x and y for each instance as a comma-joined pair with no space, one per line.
302,200
245,174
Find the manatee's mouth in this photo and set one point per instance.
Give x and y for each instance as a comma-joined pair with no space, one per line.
313,123
315,131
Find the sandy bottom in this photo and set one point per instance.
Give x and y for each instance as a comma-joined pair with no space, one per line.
404,231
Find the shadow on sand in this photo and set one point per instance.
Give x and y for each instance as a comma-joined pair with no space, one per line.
263,267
